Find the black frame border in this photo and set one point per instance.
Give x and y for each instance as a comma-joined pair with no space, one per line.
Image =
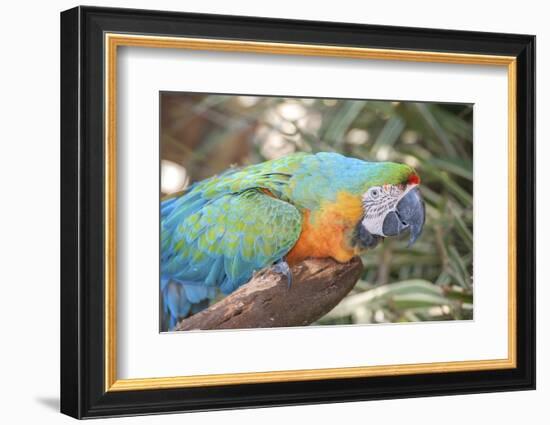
82,212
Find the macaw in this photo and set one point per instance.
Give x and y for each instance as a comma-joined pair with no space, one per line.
220,231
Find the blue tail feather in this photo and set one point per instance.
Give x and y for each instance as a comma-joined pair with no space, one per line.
181,298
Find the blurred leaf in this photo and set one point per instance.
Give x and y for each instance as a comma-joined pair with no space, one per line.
341,122
461,168
464,231
426,110
390,133
383,108
461,273
453,124
464,297
417,300
449,183
385,293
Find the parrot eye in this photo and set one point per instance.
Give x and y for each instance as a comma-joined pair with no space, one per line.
374,192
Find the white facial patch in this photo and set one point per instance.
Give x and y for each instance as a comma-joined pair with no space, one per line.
377,202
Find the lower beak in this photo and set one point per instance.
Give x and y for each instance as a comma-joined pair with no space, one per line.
409,214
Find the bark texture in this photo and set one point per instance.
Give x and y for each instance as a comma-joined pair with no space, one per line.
266,301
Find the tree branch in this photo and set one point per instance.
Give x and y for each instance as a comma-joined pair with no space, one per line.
266,301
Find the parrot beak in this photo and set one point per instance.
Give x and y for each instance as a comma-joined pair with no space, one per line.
364,238
409,214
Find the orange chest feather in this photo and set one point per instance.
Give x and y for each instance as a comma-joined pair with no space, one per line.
327,232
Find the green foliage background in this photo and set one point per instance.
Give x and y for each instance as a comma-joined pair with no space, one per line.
202,135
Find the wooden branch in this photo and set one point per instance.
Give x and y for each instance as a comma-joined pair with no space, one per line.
267,301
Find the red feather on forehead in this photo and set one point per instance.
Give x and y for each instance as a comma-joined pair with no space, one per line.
414,179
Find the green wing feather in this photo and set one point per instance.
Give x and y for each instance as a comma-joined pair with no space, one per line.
229,237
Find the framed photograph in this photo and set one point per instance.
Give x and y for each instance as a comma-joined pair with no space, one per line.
261,212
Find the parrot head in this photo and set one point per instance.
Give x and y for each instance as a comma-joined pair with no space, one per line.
391,208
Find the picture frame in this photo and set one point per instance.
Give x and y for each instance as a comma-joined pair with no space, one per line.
90,41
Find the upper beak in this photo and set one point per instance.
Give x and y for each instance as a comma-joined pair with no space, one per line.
409,214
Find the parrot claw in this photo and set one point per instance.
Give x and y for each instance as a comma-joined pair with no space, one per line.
283,268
